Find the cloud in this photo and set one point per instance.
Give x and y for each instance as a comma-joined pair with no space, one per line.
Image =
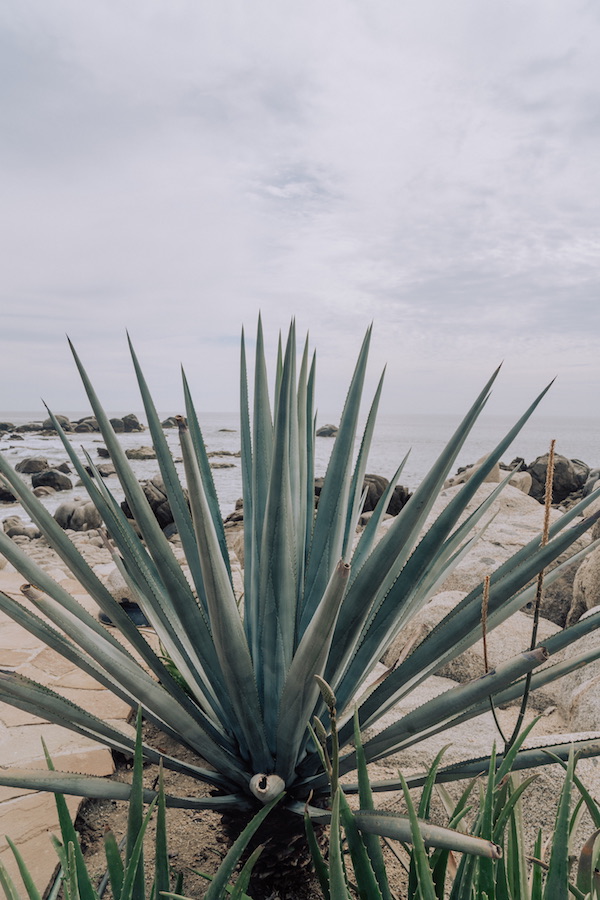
172,169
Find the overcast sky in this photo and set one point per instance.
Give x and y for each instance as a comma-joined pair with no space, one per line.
174,167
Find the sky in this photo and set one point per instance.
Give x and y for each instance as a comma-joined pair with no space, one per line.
174,168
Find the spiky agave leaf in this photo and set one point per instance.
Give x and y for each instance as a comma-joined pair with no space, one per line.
250,673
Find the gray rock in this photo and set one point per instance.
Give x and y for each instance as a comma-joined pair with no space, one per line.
63,421
117,425
15,527
584,710
586,587
140,453
170,422
327,431
32,464
52,478
132,423
569,477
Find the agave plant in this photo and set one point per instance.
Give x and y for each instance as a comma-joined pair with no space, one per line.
318,600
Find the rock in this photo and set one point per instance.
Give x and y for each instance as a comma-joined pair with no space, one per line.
155,492
117,425
15,527
6,494
505,641
6,426
103,453
586,587
64,468
584,710
494,476
591,481
88,423
568,684
222,465
132,423
79,514
52,478
569,477
327,431
44,490
170,422
32,464
522,481
140,453
375,485
63,421
16,437
29,426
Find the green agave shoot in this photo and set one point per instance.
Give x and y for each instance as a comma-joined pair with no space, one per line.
317,600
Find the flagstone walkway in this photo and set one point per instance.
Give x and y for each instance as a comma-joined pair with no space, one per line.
29,817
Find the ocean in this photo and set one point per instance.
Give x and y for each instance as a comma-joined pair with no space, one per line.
423,435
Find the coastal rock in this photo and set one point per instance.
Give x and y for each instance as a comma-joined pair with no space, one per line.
117,425
6,495
78,514
584,710
103,453
494,476
375,485
568,684
586,587
15,527
140,453
32,464
591,481
522,481
156,495
169,422
7,426
63,421
327,431
44,490
132,423
52,478
569,477
29,426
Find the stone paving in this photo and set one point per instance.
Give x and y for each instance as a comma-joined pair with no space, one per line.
29,817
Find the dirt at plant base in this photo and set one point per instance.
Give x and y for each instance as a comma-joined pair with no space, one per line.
197,840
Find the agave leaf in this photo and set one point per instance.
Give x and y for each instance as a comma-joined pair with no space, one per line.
319,864
419,855
365,796
205,469
278,576
440,711
94,787
358,476
249,499
228,632
330,521
114,864
301,692
28,882
8,885
148,577
157,544
558,871
391,553
177,501
369,532
161,855
361,863
462,627
397,827
338,889
587,859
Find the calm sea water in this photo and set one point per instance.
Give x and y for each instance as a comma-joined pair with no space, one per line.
424,435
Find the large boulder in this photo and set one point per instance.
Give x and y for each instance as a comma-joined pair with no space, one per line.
375,485
52,478
7,426
117,425
493,476
586,587
15,527
155,492
505,641
140,453
78,514
63,421
132,423
32,464
6,494
517,520
327,431
570,476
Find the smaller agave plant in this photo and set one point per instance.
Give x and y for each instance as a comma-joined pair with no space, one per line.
318,601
